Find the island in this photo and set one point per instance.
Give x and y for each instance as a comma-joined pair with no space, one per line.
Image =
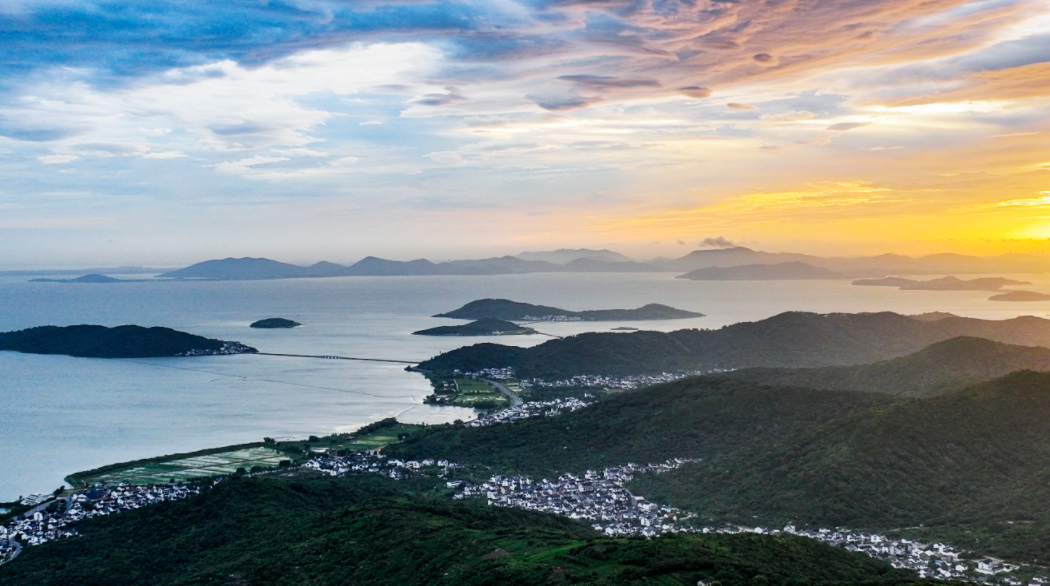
275,323
1020,296
92,278
506,309
942,284
130,341
482,327
786,271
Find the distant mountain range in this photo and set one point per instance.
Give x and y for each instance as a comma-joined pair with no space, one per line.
92,278
791,340
593,261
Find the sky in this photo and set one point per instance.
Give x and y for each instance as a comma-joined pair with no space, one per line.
165,133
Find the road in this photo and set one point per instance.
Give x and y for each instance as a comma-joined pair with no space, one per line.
514,398
331,357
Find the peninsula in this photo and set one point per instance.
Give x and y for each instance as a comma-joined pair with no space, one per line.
482,327
787,271
942,284
93,278
275,323
506,309
89,341
1020,296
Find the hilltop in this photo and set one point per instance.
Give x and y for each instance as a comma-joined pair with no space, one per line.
773,272
937,369
792,340
374,531
129,341
481,327
506,309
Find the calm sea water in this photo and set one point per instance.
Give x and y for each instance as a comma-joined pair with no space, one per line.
59,414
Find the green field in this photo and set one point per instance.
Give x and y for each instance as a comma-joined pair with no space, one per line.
473,392
182,469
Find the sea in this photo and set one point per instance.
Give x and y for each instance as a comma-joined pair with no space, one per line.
60,415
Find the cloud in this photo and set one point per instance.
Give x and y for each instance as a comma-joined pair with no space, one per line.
843,126
450,97
695,91
789,116
57,159
739,106
606,81
718,242
561,101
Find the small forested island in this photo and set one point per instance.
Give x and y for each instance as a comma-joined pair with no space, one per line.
506,309
787,271
90,341
942,284
92,278
1020,296
275,323
482,327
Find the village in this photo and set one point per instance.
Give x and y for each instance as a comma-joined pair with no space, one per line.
599,497
588,381
49,519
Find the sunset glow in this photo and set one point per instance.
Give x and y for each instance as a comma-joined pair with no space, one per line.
902,125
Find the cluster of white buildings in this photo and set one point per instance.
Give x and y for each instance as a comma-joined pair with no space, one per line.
530,410
596,381
594,496
227,348
40,526
372,462
550,318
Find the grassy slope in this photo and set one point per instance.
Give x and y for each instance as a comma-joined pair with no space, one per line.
937,369
362,531
791,339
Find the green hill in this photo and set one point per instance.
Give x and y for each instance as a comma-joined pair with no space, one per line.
481,327
937,369
119,342
512,310
792,339
694,418
275,323
974,465
327,532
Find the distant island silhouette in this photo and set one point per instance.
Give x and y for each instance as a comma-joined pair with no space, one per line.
275,323
506,309
1020,296
787,271
130,341
482,327
942,284
92,278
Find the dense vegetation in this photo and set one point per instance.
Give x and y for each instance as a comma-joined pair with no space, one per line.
279,531
102,342
482,327
973,461
973,464
792,339
275,322
697,418
937,369
513,310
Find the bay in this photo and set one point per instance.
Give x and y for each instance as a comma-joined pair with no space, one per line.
59,414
